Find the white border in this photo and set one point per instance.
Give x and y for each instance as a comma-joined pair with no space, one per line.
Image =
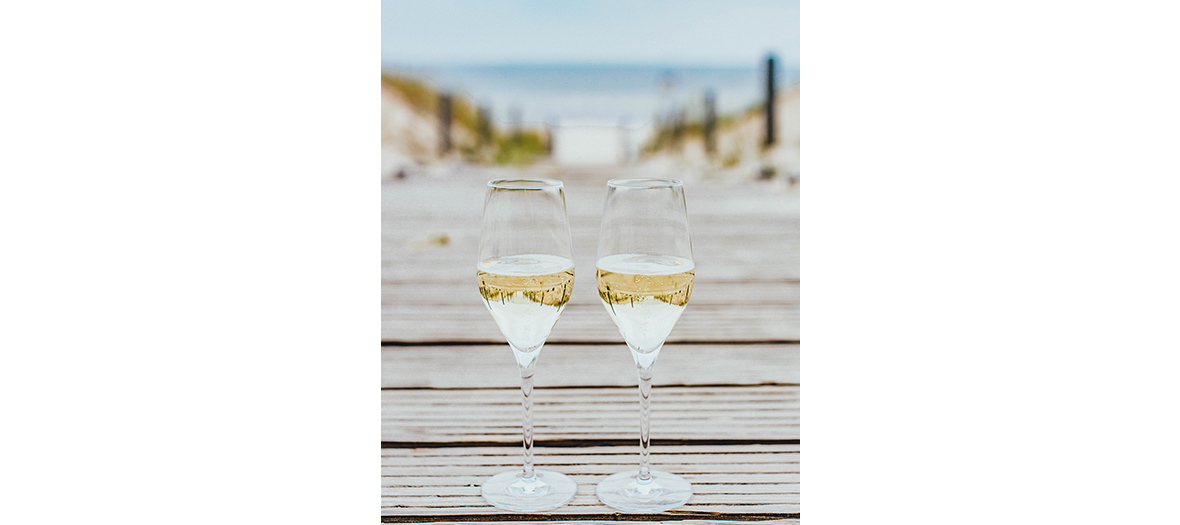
189,210
989,262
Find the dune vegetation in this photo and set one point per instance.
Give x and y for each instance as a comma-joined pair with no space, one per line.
475,137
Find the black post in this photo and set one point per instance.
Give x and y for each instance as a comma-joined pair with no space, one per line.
444,122
710,121
548,139
769,101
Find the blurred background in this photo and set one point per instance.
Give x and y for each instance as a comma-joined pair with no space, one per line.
672,87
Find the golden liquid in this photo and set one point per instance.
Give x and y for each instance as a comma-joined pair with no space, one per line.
551,289
644,295
526,294
629,288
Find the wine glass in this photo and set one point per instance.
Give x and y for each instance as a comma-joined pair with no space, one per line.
525,276
645,274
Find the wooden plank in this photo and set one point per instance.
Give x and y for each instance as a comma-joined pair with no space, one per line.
415,239
590,520
735,479
746,481
679,468
587,324
585,321
747,248
493,366
771,294
678,413
579,457
582,505
461,193
604,519
719,451
457,264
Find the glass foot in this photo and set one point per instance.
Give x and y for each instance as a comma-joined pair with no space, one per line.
547,490
625,491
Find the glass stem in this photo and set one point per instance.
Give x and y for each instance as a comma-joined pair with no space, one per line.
526,388
644,421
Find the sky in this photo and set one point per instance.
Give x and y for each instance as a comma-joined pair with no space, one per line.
661,32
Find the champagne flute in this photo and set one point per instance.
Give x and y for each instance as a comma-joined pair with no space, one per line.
525,275
645,274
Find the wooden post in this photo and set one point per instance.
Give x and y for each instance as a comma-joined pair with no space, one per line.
710,121
485,126
550,135
516,121
444,122
769,101
678,128
624,128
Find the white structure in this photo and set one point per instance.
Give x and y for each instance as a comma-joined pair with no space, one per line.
593,143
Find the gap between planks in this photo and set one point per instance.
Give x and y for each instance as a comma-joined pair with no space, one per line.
599,518
575,443
602,387
394,342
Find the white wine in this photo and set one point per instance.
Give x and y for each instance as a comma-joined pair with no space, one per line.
526,294
644,295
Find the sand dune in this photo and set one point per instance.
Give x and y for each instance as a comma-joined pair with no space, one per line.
739,151
410,142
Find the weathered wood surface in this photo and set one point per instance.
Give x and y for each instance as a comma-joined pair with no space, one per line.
492,366
725,410
751,480
693,413
745,245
